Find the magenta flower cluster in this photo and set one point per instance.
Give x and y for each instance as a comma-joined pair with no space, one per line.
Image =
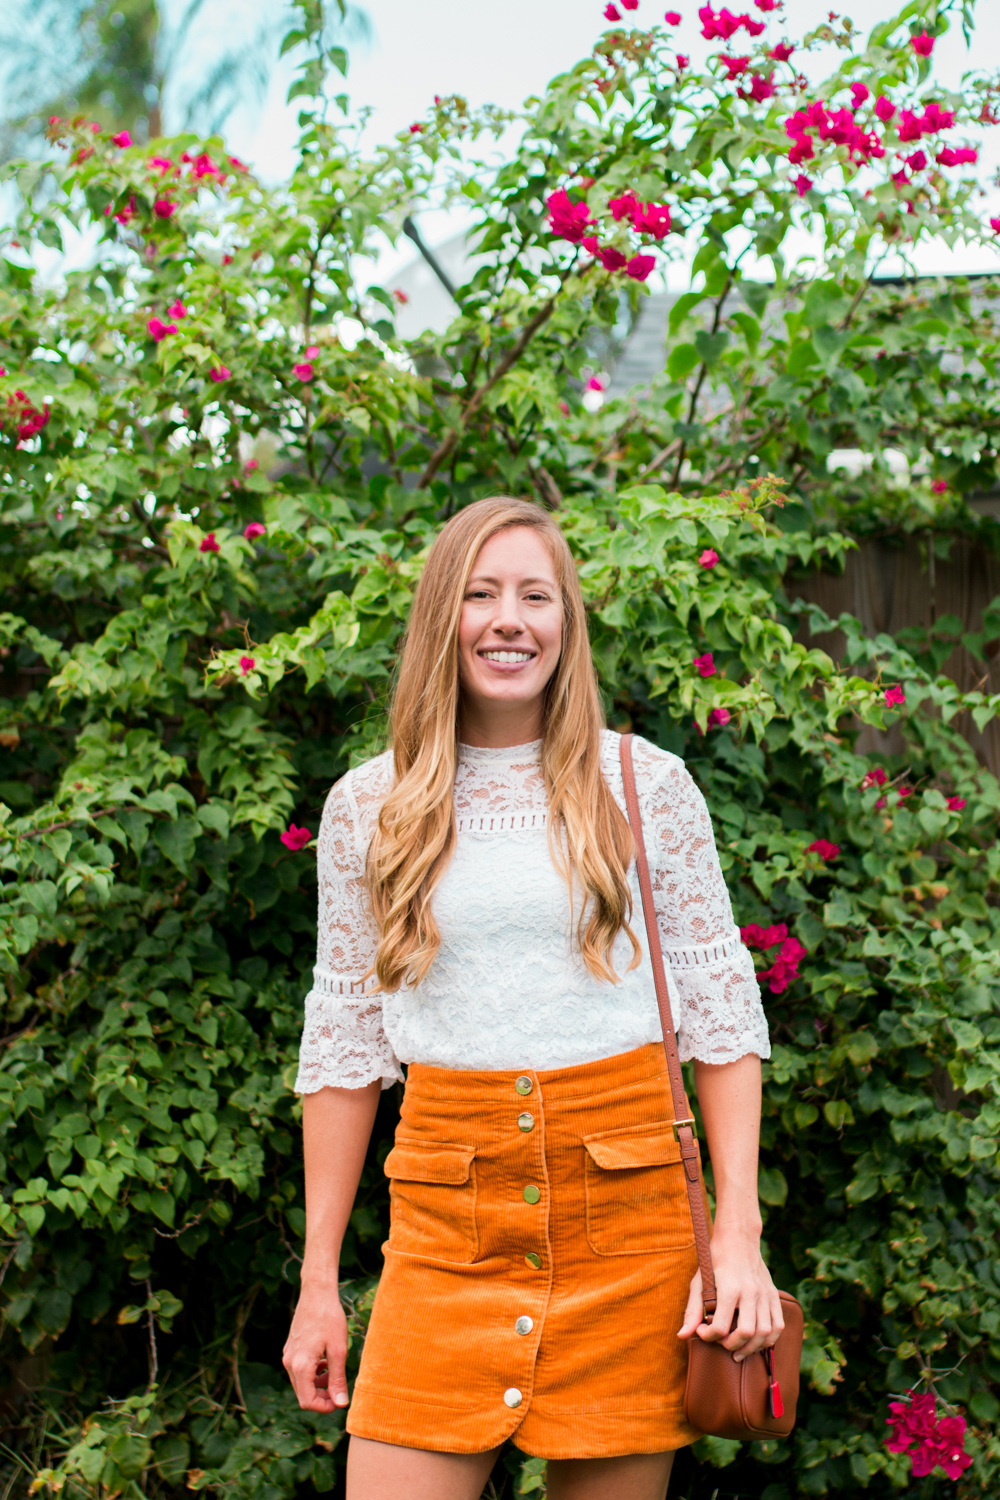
928,1442
569,221
785,963
28,419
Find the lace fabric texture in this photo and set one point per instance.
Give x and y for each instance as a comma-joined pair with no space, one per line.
508,988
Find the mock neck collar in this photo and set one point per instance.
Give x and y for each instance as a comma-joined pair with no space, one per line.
503,755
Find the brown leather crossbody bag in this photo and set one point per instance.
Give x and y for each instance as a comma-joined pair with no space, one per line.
756,1397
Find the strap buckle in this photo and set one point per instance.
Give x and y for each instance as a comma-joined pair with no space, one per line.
677,1124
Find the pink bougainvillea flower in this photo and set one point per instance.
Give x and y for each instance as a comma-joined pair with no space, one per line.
766,5
163,208
55,119
564,408
159,330
204,166
248,468
875,777
673,17
295,838
227,260
917,161
859,93
595,383
640,266
923,45
247,664
237,165
934,118
312,351
161,164
177,310
625,207
416,128
995,225
902,792
719,716
704,665
127,214
734,65
682,62
884,108
950,156
303,372
785,966
122,139
630,4
612,13
610,259
912,1423
824,849
254,529
801,150
219,373
781,52
401,297
568,220
652,218
894,695
910,128
761,88
939,486
709,558
955,804
756,936
28,418
901,178
802,184
209,544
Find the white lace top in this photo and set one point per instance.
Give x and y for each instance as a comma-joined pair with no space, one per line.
507,988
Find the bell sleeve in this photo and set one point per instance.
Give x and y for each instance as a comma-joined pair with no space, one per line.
721,1016
344,1044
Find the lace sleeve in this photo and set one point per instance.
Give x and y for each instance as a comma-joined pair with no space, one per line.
722,1018
344,1044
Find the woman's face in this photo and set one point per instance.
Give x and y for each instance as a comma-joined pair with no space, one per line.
510,634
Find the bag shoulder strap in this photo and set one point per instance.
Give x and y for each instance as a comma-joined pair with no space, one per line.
683,1124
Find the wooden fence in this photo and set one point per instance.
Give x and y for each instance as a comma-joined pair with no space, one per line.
890,585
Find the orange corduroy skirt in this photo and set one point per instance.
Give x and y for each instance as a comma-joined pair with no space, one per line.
537,1266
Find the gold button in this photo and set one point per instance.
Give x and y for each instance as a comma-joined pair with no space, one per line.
533,1260
523,1084
523,1326
531,1193
526,1121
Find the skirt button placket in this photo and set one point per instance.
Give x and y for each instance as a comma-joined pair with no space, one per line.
524,1325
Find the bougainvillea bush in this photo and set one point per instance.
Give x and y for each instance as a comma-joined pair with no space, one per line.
221,470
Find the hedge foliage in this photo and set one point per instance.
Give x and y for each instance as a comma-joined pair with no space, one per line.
208,541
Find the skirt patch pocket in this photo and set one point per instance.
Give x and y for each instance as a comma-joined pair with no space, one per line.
432,1192
636,1195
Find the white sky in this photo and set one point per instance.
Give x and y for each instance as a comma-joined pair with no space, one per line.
502,53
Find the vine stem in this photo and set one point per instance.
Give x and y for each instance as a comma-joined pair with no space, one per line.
154,1358
445,448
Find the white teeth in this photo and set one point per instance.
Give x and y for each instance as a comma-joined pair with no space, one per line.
507,656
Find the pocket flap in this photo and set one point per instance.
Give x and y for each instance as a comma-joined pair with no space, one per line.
614,1152
429,1161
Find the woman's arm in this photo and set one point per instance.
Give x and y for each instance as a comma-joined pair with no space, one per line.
336,1128
729,1095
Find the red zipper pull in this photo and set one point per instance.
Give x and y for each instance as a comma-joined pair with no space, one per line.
774,1395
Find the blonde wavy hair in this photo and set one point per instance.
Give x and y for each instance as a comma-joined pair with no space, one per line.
589,835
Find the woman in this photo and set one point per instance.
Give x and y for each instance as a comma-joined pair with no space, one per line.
477,900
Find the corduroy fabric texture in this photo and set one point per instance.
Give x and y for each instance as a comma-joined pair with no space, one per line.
470,1343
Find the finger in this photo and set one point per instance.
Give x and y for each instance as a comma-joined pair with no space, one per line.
337,1379
777,1317
761,1336
695,1310
718,1331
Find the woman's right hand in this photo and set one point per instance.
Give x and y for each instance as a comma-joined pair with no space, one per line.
316,1348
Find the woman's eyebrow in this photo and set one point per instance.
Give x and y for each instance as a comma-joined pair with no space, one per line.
497,582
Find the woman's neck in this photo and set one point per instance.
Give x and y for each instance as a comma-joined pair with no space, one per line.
496,729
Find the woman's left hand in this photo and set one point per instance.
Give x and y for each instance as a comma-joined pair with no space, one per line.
744,1288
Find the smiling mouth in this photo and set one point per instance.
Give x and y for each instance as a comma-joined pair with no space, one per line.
507,657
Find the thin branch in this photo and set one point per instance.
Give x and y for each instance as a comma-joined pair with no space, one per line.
154,1358
445,449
